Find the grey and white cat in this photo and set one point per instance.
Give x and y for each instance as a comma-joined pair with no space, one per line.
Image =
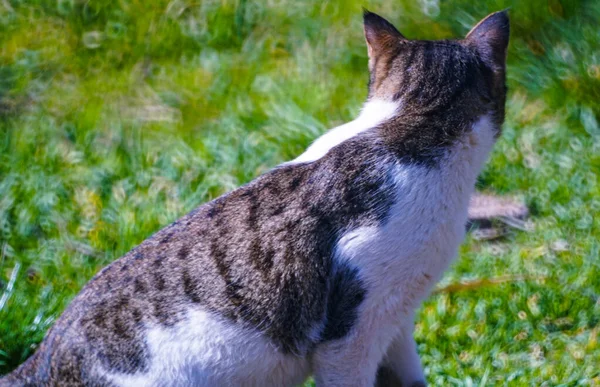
315,267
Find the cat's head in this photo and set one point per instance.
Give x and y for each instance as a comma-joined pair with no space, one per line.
452,82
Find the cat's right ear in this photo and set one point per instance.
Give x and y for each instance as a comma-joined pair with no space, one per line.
380,34
490,38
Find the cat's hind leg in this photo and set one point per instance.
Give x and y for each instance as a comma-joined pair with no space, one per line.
352,360
344,363
401,365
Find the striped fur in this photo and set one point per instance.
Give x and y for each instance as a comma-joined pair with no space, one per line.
316,266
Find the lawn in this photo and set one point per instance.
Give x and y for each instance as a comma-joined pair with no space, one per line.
118,117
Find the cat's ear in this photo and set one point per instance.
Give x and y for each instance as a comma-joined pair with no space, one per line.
380,34
490,39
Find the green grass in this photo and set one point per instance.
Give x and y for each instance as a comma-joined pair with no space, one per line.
116,118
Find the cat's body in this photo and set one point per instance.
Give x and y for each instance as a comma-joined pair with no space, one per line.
315,267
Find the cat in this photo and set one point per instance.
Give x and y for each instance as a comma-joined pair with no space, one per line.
317,266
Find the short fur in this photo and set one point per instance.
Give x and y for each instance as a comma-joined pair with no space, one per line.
316,266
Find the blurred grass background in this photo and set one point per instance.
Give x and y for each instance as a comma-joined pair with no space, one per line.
117,117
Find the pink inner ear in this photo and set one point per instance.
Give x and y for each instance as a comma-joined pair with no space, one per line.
369,49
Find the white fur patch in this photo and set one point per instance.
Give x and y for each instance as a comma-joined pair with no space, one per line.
400,261
204,350
427,221
373,113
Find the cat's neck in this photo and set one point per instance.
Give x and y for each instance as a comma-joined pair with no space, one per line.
465,159
373,113
467,153
455,173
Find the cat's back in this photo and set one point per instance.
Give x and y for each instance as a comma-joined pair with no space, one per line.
253,266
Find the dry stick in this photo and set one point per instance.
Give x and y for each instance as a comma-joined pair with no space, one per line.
7,6
478,283
82,248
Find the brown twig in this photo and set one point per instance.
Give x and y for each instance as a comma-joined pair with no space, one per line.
82,248
484,282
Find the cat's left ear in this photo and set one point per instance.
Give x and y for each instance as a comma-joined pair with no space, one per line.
490,38
380,34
